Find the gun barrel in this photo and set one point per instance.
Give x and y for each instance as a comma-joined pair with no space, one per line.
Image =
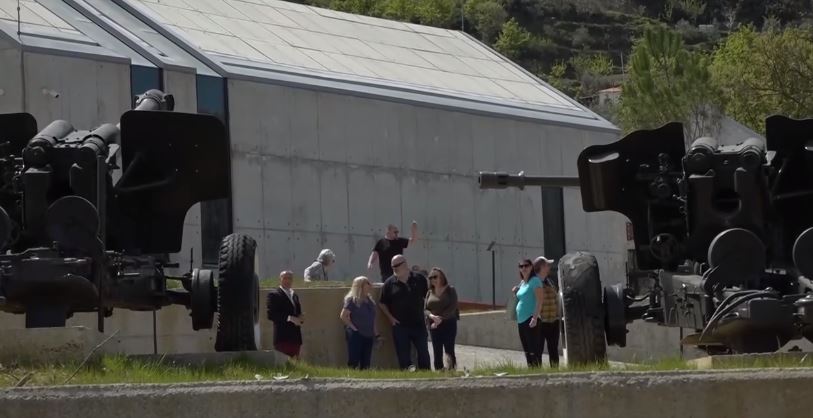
502,180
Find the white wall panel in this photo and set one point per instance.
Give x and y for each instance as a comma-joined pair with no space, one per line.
333,112
463,270
305,196
183,87
363,128
390,148
304,128
259,119
305,247
11,81
484,140
89,93
247,191
461,206
375,201
334,208
530,222
276,193
277,254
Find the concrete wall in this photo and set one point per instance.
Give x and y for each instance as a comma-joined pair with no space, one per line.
323,334
645,342
89,92
315,169
741,394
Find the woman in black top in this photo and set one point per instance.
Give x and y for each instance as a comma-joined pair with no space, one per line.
442,313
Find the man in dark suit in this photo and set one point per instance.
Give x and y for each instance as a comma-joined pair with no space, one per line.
285,312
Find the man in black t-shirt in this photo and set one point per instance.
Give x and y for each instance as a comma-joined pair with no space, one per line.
402,300
388,247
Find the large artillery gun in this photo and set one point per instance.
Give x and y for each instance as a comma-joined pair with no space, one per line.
723,239
74,240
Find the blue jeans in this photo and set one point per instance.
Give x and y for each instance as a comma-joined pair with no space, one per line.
402,337
359,349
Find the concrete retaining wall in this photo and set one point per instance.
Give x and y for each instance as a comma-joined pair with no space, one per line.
323,332
741,394
645,342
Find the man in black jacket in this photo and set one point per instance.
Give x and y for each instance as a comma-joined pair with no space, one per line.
402,301
285,312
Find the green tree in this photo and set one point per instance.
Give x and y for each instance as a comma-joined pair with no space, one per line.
760,74
487,16
668,83
592,71
513,40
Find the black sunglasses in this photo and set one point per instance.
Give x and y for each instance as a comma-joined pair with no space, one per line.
433,277
524,265
395,266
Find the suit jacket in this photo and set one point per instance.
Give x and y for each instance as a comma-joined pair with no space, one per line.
279,307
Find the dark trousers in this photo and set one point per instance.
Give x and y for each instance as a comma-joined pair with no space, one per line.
531,340
550,336
359,349
443,338
403,337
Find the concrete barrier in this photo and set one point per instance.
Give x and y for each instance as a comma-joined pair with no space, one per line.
323,332
697,394
645,342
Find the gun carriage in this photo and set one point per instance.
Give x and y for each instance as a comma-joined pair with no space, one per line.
74,240
723,239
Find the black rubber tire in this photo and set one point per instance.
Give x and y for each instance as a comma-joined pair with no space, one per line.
238,295
582,309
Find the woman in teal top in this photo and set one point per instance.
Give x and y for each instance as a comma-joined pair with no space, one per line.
529,304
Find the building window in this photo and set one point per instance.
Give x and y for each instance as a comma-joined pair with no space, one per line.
215,215
553,222
143,79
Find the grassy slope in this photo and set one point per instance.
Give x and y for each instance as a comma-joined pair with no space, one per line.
120,369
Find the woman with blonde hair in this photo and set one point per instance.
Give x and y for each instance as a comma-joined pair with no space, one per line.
358,315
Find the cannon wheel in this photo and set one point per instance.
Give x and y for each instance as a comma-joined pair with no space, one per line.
583,309
238,295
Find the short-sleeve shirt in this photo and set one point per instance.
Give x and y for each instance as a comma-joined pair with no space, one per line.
526,300
362,315
405,300
387,249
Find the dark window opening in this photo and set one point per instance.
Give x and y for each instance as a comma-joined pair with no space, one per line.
553,222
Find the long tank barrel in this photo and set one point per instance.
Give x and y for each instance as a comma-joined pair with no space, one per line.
502,180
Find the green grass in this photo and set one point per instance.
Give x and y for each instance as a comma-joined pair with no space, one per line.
121,369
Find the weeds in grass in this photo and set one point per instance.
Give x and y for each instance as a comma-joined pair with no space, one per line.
122,369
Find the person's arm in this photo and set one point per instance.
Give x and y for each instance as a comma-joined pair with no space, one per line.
344,315
383,302
537,305
413,232
450,307
386,311
307,274
373,258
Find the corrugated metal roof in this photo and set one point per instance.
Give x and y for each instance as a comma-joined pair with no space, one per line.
261,38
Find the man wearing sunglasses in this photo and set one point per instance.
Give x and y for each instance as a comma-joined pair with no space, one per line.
388,247
402,301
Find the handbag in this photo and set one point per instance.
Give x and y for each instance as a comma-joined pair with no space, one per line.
511,307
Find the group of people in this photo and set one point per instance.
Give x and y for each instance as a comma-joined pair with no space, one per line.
417,304
537,311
